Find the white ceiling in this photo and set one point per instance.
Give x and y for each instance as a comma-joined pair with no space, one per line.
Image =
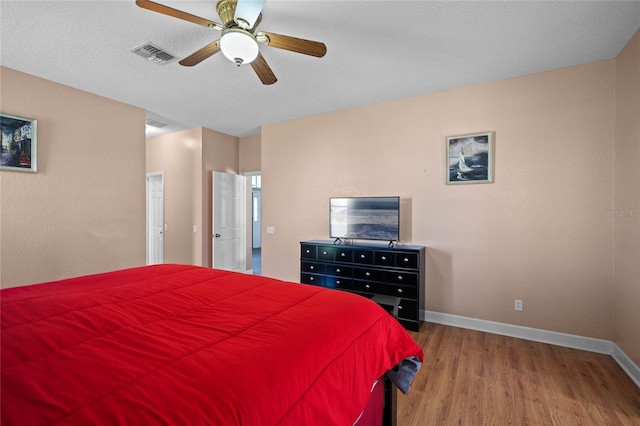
376,51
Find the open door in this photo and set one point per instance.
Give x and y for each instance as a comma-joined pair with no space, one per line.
228,222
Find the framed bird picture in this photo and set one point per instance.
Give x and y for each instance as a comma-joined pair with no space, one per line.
470,158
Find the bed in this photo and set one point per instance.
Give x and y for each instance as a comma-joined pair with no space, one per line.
186,345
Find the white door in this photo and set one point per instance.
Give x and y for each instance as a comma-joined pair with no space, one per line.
229,218
155,218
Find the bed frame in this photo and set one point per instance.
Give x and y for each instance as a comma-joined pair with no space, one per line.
390,412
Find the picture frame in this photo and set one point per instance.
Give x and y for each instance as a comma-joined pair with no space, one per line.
470,158
19,144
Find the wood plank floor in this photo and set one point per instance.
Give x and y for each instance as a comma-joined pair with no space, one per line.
476,378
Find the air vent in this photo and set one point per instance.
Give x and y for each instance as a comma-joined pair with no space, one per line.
153,53
156,123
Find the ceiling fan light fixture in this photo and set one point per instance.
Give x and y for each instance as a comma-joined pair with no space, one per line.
247,12
239,46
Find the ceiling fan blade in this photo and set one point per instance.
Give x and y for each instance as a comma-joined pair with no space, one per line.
299,45
201,54
166,10
247,11
263,70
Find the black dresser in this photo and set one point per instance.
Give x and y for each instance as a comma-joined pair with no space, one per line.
368,269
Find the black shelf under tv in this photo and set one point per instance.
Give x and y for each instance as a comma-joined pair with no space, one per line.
368,269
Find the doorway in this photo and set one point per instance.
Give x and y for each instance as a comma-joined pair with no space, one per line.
256,221
155,218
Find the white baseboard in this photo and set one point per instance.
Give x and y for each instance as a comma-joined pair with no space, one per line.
626,363
552,337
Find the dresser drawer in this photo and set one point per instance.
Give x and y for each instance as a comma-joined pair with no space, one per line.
401,291
399,277
313,267
312,279
363,256
407,260
368,287
308,251
385,258
339,283
344,254
338,270
408,309
368,274
325,252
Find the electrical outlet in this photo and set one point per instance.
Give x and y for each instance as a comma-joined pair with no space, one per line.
518,305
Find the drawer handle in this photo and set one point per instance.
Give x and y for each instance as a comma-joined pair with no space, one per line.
311,267
399,307
406,259
367,274
308,251
399,277
384,257
338,282
399,290
324,252
367,286
342,254
362,256
338,270
311,278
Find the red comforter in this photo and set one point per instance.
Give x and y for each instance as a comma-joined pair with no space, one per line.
184,345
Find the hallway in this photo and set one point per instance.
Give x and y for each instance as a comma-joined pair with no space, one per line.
256,261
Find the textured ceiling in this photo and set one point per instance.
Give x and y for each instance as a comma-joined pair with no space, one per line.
376,51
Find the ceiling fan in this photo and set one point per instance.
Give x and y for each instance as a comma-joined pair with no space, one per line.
239,39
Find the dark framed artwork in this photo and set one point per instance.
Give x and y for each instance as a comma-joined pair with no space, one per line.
19,143
470,158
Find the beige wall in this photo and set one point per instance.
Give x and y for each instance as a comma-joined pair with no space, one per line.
539,233
179,157
626,214
250,160
187,160
84,210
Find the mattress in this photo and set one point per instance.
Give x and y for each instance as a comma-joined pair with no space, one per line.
181,344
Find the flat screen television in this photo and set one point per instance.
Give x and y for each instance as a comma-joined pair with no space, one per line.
367,218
